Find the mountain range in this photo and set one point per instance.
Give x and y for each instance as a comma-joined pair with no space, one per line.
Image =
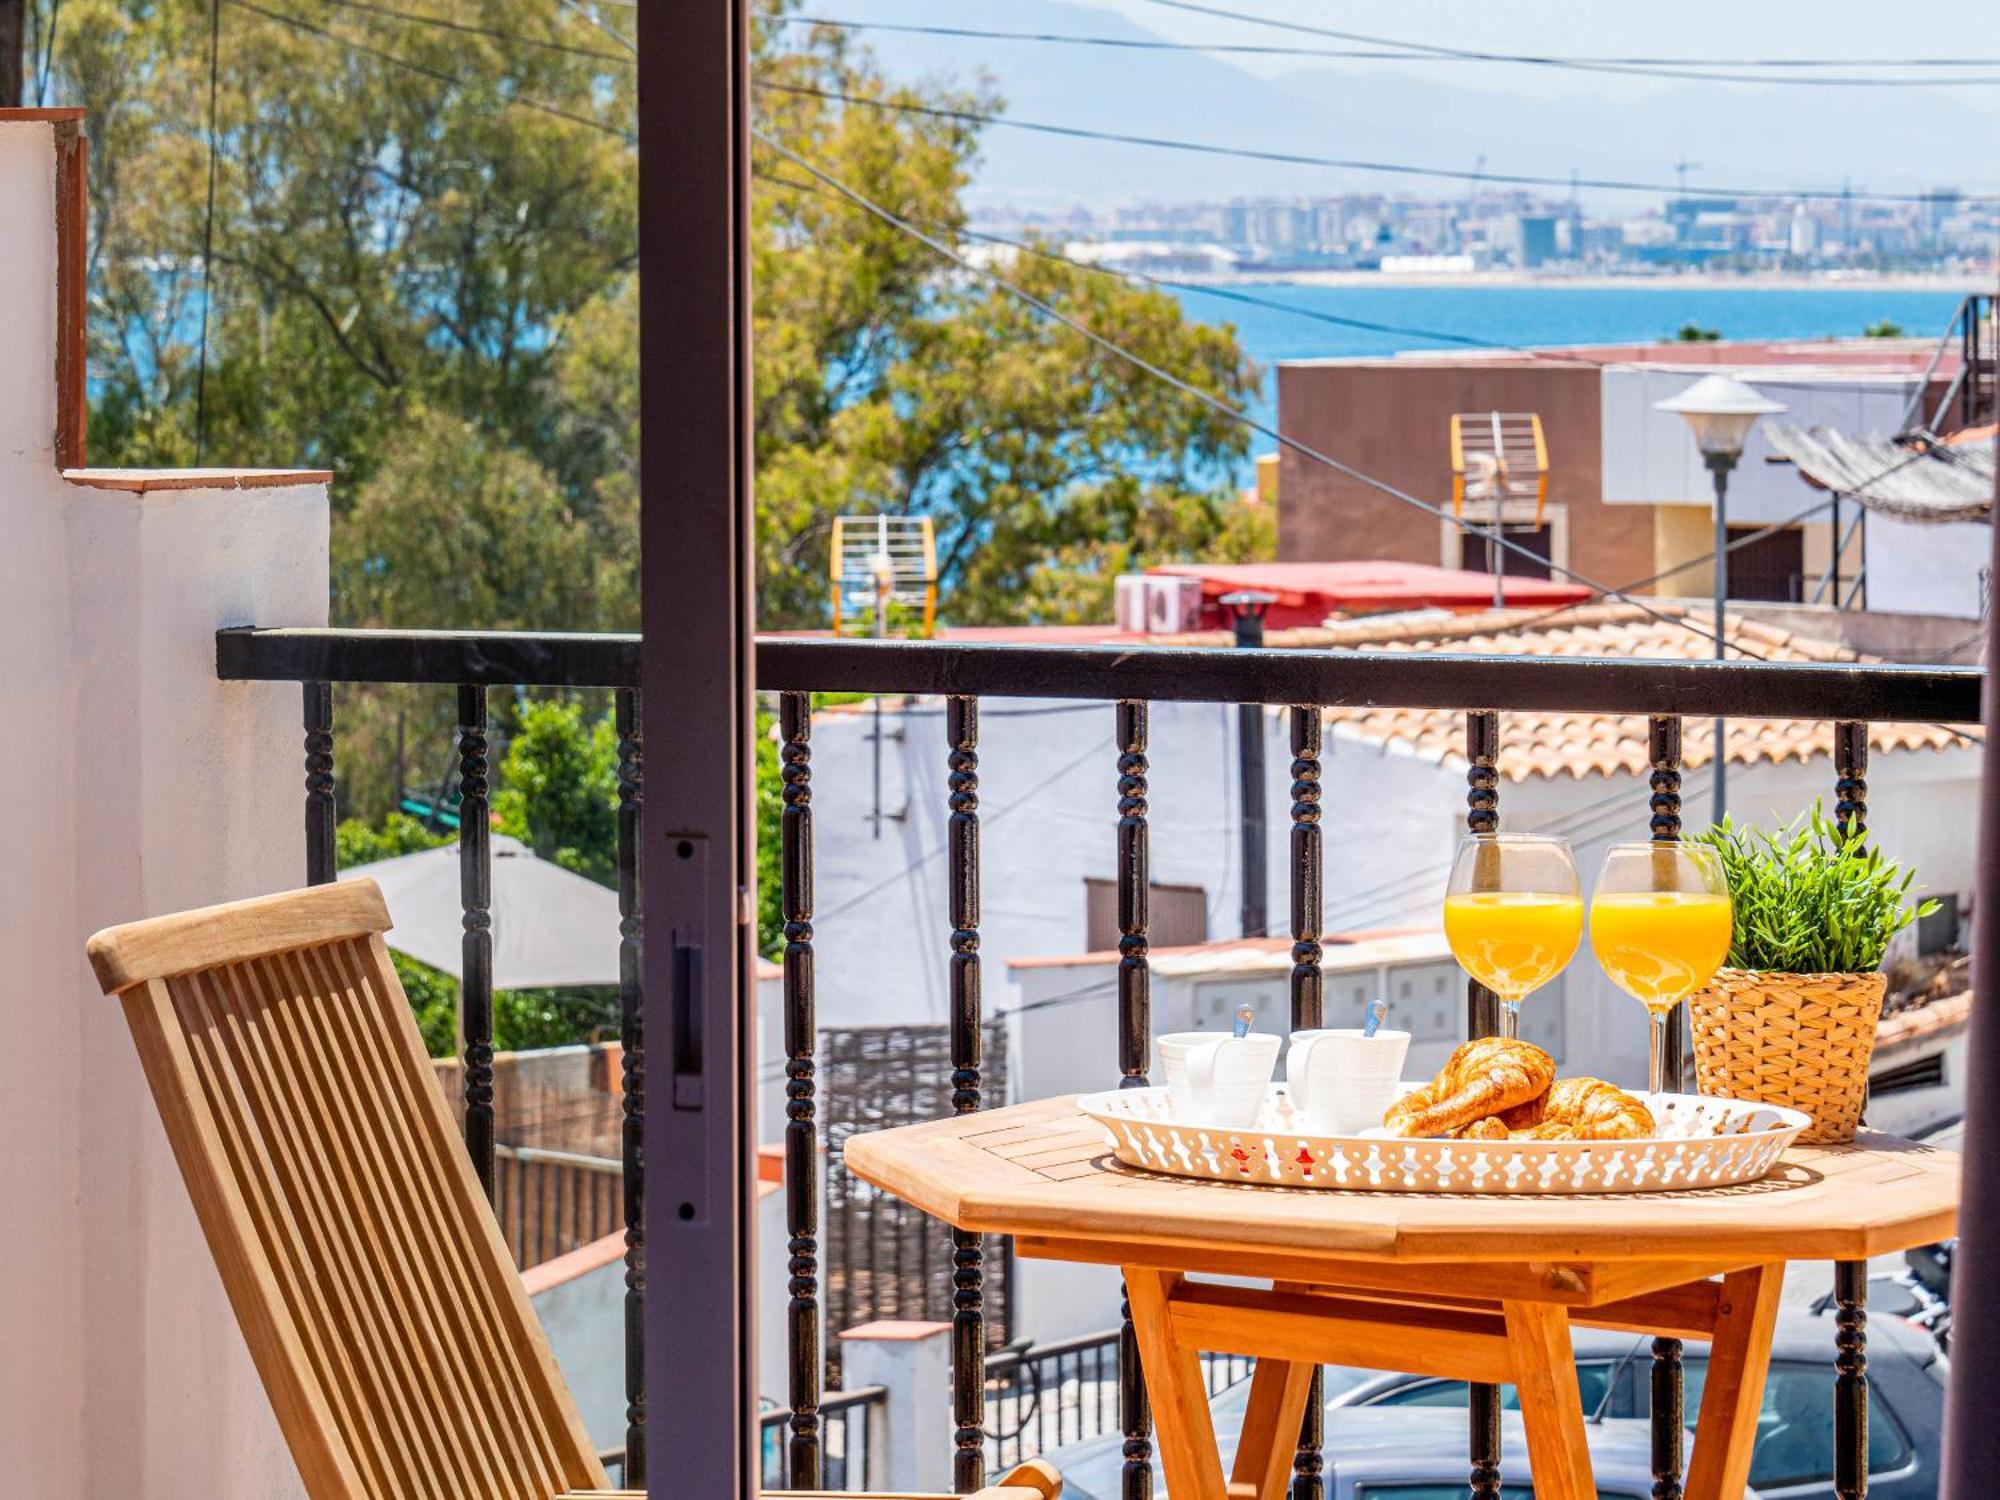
1748,136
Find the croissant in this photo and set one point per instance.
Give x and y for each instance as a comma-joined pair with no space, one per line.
1579,1109
1483,1077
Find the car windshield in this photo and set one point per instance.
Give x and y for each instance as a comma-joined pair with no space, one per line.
1794,1437
1593,1379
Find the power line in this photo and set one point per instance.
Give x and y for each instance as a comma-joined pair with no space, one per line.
411,65
1351,164
589,13
1215,403
1571,358
446,23
1645,67
1387,53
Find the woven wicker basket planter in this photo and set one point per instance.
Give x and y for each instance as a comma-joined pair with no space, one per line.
1801,1040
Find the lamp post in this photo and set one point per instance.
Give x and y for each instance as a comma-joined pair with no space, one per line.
1720,411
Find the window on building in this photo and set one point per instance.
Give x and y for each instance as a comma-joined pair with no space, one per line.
1540,540
1772,567
1177,915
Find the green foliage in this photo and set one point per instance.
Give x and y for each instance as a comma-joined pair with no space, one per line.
522,1019
1883,330
770,814
559,788
1694,333
357,843
1810,901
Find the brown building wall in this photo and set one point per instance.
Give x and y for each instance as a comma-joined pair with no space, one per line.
1392,419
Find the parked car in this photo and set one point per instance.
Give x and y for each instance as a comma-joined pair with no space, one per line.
1400,1453
1385,1431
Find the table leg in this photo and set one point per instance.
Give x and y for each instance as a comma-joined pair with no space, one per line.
1551,1406
1269,1441
1184,1432
1739,1356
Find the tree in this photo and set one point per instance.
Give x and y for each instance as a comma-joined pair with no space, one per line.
404,213
887,380
559,789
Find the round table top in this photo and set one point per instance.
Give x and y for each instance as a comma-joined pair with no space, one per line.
1045,1171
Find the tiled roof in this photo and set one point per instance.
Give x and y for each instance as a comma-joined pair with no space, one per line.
1572,744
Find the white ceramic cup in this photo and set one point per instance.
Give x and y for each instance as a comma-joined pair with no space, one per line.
1341,1081
1214,1078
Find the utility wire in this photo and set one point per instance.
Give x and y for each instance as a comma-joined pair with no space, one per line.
352,44
1397,52
1296,158
1679,67
208,231
446,23
1215,403
1713,634
589,13
1572,358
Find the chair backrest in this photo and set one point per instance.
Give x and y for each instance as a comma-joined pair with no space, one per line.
364,1265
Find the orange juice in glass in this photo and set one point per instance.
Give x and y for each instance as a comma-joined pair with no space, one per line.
1660,924
1513,914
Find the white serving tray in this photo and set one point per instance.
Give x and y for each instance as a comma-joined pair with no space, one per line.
1702,1143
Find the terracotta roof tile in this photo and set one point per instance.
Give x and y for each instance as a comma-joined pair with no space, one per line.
1569,744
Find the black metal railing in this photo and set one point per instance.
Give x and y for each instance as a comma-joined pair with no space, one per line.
1305,682
851,1441
1040,1397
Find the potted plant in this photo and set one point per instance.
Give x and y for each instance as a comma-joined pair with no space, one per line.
1791,1019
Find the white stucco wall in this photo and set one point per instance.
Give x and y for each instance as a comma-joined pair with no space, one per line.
134,784
1928,570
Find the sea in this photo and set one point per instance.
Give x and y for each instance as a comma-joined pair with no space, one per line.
1542,315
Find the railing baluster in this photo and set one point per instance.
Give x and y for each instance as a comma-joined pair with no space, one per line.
1850,1277
1482,815
968,1325
320,815
805,1456
1669,1389
1135,1045
1308,1010
632,1037
475,890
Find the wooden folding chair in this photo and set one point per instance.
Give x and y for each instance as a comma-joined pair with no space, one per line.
367,1271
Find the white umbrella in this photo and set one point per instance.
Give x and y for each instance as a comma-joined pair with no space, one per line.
551,927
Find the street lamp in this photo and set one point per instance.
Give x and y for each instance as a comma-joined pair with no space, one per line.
1720,411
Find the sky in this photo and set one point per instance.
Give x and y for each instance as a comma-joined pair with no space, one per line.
1686,28
1455,114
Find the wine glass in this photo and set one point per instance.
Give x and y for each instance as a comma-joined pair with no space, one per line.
1513,914
1660,924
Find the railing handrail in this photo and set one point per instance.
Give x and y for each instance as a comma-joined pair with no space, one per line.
831,1403
1332,678
543,1156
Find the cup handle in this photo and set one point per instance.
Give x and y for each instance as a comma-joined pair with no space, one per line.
1298,1074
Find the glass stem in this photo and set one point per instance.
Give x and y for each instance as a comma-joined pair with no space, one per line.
1510,1019
1656,1066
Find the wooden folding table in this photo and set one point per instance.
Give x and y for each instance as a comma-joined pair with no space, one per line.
1478,1288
